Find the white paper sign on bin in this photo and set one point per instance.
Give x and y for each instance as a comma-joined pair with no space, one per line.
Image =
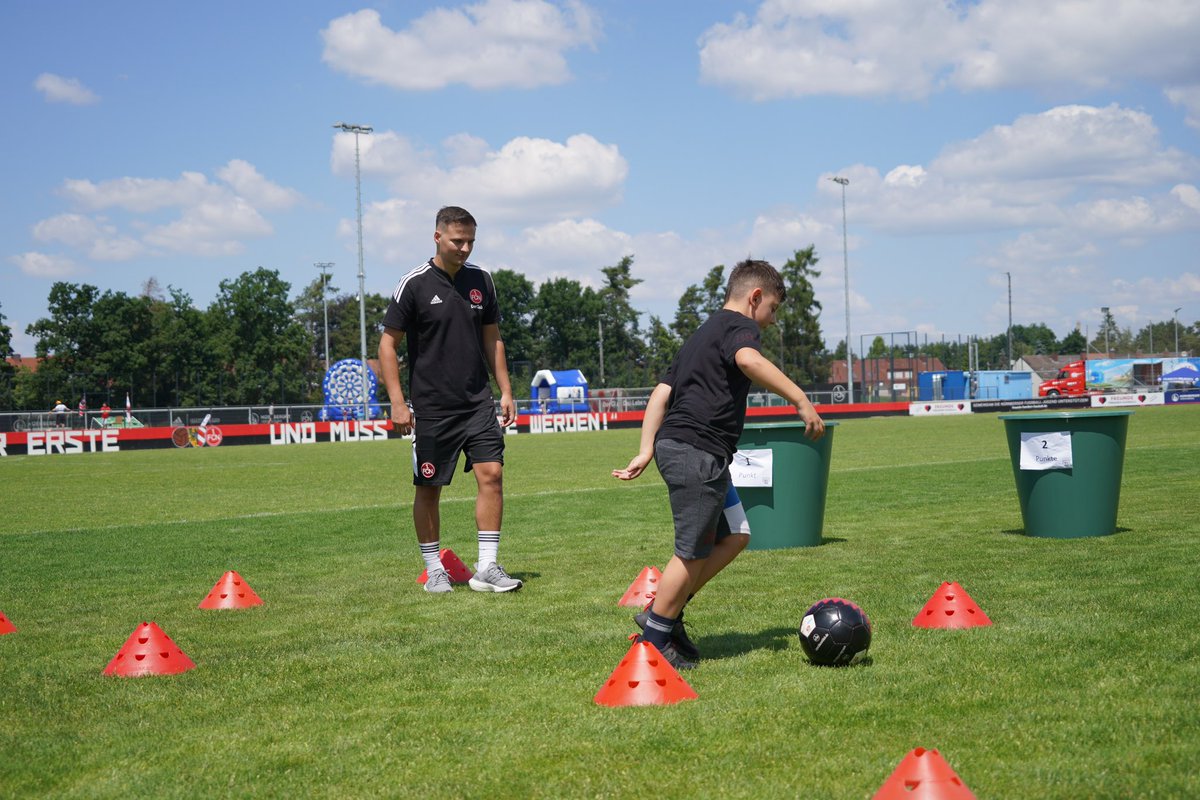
752,468
1050,450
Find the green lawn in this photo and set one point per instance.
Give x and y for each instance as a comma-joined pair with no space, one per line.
350,681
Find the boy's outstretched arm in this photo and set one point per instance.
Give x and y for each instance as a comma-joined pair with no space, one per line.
656,409
759,369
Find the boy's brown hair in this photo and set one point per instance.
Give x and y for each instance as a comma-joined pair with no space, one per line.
750,275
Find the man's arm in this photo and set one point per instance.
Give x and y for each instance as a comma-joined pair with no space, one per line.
656,409
389,365
493,351
759,369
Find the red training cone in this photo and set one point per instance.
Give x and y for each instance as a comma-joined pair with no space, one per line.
231,592
644,678
923,775
148,651
950,607
643,588
459,573
5,625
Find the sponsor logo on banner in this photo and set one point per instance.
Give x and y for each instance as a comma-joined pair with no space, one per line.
1183,396
1127,399
939,407
568,423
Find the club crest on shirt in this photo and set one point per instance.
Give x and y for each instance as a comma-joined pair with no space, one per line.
476,296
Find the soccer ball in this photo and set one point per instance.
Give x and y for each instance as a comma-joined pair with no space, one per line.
835,632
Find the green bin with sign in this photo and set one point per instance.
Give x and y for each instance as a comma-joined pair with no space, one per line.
1068,466
790,511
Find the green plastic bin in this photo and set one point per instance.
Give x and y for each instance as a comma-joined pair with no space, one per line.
790,512
1082,500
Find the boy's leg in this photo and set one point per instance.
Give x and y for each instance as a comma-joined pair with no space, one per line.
676,583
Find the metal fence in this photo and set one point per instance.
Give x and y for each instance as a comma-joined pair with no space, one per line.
604,401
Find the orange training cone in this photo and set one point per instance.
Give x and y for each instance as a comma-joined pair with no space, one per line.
923,775
231,592
950,607
5,625
644,678
642,590
148,651
458,571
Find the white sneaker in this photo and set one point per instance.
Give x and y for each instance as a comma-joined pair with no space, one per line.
493,578
438,582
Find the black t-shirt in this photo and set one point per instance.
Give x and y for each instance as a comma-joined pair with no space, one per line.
443,321
707,406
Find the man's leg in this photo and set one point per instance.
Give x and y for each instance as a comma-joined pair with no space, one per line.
489,514
427,514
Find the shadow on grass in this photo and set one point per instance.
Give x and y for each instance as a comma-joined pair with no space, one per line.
728,645
1021,532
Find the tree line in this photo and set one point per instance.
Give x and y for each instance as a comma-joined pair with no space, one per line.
255,344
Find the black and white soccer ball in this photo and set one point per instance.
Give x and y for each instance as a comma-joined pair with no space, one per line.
835,632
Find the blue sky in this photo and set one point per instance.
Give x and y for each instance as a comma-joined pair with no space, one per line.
1057,142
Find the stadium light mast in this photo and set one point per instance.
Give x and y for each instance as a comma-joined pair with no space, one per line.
1010,358
844,182
324,265
1176,317
1104,311
362,292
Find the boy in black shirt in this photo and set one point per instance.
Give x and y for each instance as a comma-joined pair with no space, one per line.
692,425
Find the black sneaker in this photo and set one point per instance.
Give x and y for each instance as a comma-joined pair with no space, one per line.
671,653
679,636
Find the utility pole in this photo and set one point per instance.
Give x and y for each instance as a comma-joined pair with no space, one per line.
844,182
1010,358
362,291
324,265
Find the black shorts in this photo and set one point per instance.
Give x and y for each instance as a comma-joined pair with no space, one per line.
438,442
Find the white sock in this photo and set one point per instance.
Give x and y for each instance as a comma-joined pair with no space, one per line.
431,552
489,546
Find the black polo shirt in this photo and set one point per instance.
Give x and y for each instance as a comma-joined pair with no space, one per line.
707,406
443,321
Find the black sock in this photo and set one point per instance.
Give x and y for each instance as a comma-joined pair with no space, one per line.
658,629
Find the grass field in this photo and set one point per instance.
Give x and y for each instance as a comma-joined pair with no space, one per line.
352,682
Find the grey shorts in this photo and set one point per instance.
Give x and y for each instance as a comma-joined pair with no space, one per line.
699,489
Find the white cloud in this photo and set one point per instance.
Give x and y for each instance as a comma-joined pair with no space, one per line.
249,184
57,89
912,48
487,45
527,180
1077,143
213,218
1188,97
1073,166
101,240
211,228
141,195
44,265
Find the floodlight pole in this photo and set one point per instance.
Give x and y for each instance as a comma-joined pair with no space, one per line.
362,292
1010,358
324,265
1176,317
1104,311
838,179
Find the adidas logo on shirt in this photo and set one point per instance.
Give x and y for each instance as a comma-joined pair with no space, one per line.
435,300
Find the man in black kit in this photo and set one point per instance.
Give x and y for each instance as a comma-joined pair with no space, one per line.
447,311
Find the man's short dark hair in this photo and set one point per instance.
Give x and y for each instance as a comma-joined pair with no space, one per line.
451,215
750,275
